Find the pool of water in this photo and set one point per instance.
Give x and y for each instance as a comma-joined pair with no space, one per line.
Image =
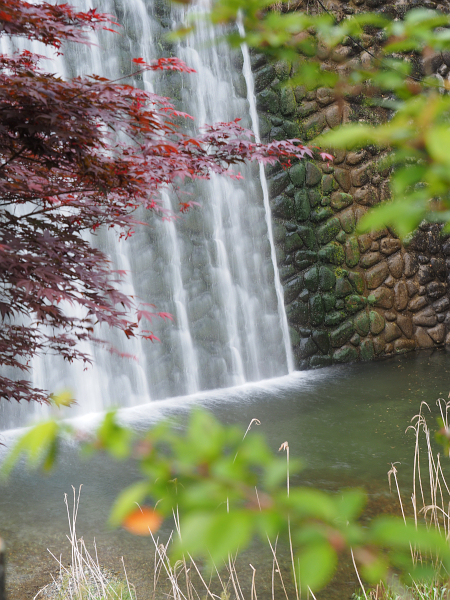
347,424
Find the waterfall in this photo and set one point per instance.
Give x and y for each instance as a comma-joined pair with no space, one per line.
213,269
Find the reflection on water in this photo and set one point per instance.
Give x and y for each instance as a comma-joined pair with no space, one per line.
347,423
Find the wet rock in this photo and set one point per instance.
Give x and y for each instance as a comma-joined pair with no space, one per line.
392,332
278,183
437,333
439,267
292,289
302,208
425,274
402,345
329,301
343,178
340,200
294,337
332,253
406,325
318,362
357,281
297,312
441,305
306,348
348,221
354,303
316,310
304,296
352,252
396,265
305,258
282,207
313,174
308,236
436,289
365,242
400,296
268,101
370,259
286,272
379,344
383,298
199,306
425,318
412,288
366,195
327,278
355,339
376,275
377,322
362,323
417,303
423,339
264,77
334,318
322,340
311,279
345,354
389,245
292,242
367,350
297,174
360,176
328,231
288,105
343,287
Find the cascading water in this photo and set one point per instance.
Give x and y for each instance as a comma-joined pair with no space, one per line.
213,269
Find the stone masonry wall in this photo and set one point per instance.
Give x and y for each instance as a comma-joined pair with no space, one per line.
347,297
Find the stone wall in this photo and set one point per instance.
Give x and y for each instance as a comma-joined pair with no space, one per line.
347,297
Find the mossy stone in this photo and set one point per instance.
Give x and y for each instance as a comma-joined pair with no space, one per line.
292,242
315,197
292,289
311,279
352,252
268,101
328,231
286,272
297,174
342,334
283,207
341,237
348,220
308,236
279,232
302,206
343,287
304,296
282,69
318,362
367,350
306,348
340,200
321,213
277,133
329,300
335,318
298,313
377,322
327,279
291,129
316,310
357,280
332,253
288,104
362,323
322,340
328,184
346,354
354,303
264,77
305,258
278,183
313,174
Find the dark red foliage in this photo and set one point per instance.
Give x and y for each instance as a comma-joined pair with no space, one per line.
63,172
